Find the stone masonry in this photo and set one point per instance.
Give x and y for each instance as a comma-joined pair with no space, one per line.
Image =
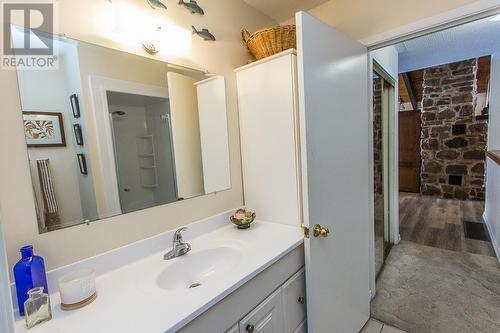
378,172
453,142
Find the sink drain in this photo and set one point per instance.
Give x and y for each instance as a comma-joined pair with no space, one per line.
194,285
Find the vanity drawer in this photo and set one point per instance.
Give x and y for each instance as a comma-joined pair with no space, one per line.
266,317
233,329
294,302
302,327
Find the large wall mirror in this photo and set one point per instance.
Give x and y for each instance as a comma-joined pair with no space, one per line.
110,133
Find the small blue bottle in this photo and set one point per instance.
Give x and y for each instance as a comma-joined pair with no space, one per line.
29,272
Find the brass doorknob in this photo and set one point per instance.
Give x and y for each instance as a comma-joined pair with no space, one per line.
320,231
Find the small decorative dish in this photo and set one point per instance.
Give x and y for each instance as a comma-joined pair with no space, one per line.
242,218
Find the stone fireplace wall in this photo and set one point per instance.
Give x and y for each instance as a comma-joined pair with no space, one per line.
453,142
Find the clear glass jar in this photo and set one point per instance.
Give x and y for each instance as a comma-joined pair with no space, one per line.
37,307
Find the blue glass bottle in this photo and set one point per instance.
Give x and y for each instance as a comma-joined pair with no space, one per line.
29,272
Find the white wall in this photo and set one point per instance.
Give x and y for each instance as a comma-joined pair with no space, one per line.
387,58
71,68
492,206
45,91
90,21
494,111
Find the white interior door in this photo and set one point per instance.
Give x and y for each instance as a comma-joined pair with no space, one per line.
333,107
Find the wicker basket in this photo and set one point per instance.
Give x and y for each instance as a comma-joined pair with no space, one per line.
269,41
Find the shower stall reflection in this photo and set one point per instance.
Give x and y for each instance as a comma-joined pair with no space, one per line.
144,153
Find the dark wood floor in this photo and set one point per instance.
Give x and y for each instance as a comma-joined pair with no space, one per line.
438,223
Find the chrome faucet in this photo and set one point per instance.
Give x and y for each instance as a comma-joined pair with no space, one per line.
179,248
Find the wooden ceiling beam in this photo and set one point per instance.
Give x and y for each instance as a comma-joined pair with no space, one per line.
411,90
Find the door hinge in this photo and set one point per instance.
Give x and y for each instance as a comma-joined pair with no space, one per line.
305,230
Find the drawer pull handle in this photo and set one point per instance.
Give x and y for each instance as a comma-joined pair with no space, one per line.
301,300
250,328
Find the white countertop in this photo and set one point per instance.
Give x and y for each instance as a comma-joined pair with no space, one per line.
126,303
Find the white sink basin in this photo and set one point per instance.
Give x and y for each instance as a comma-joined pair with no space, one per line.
197,268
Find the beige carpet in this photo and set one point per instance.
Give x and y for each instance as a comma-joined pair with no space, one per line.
424,289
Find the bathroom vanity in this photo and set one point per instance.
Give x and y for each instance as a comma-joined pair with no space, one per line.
161,137
282,310
231,281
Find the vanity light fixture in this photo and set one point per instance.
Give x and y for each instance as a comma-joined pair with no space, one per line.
150,46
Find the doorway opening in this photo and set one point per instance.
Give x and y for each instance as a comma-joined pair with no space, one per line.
143,147
442,275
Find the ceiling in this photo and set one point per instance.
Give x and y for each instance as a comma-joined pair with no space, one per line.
281,10
125,99
467,41
417,80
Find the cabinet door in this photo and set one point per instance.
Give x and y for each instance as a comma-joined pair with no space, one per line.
294,301
267,317
233,329
185,126
213,134
269,150
302,327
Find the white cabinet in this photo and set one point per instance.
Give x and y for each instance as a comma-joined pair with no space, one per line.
271,164
302,327
234,329
252,304
282,312
294,302
267,317
268,114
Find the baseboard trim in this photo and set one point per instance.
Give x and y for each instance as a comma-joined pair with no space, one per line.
494,243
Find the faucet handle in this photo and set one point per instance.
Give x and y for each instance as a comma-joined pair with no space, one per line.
178,235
